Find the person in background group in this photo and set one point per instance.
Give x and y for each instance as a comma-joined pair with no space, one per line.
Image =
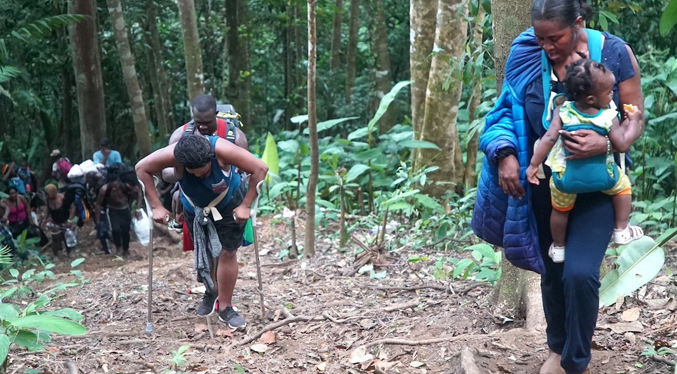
515,215
21,177
57,221
17,212
114,204
60,169
106,155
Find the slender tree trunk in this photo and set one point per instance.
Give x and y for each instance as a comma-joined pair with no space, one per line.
510,17
66,114
441,104
157,74
309,249
88,76
245,64
191,48
384,75
239,78
422,34
130,78
470,174
351,62
289,66
336,37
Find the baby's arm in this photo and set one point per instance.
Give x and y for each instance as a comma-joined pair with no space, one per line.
622,135
544,147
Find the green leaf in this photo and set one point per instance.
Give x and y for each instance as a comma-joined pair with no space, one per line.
4,348
290,146
637,265
385,102
77,262
270,157
69,313
27,274
368,154
326,125
366,268
419,144
356,171
14,273
27,339
299,119
49,266
50,324
8,312
669,18
359,133
380,275
462,266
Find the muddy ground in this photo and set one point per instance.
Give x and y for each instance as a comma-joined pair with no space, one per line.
408,322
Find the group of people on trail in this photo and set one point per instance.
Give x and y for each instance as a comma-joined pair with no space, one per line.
552,190
70,198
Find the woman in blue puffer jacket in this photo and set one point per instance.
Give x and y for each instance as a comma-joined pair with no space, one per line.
515,215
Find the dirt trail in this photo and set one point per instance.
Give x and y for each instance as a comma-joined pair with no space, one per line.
336,315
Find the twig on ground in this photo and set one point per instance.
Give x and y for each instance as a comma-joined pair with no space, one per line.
107,333
409,305
668,327
663,360
283,263
133,341
17,368
414,342
410,288
472,286
72,369
209,327
275,325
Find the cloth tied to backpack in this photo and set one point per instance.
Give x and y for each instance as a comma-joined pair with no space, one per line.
206,241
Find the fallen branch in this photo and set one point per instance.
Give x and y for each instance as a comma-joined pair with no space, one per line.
663,360
415,342
283,263
409,305
173,236
410,288
275,325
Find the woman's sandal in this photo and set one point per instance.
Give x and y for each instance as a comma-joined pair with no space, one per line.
556,253
627,235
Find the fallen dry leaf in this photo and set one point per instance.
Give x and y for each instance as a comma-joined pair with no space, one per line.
268,337
322,366
200,327
631,315
360,355
656,303
623,327
260,348
225,332
417,364
52,349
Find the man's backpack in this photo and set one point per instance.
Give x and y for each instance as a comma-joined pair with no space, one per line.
227,120
127,177
64,166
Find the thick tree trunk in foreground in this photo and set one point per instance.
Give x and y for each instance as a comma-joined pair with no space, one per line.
191,48
351,56
510,17
422,37
441,104
384,75
335,60
239,79
129,76
88,76
309,249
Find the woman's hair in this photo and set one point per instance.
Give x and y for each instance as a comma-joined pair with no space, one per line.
564,11
580,78
50,188
193,151
10,188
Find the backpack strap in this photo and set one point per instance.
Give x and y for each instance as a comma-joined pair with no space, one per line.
595,41
188,128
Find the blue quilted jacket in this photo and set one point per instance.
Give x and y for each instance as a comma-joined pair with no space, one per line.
499,219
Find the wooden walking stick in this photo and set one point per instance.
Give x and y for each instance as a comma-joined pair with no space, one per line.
252,215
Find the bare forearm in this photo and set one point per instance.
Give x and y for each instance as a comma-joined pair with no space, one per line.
623,138
252,193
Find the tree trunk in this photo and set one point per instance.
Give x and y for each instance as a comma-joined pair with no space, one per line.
289,67
88,78
470,174
422,35
191,48
130,78
239,79
351,58
441,104
335,60
157,72
309,249
384,76
510,17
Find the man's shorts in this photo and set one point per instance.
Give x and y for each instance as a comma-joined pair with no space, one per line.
564,202
230,232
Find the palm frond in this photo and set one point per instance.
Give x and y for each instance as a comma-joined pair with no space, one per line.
5,256
43,27
7,73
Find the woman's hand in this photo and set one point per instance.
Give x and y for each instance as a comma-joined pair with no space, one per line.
509,176
583,143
